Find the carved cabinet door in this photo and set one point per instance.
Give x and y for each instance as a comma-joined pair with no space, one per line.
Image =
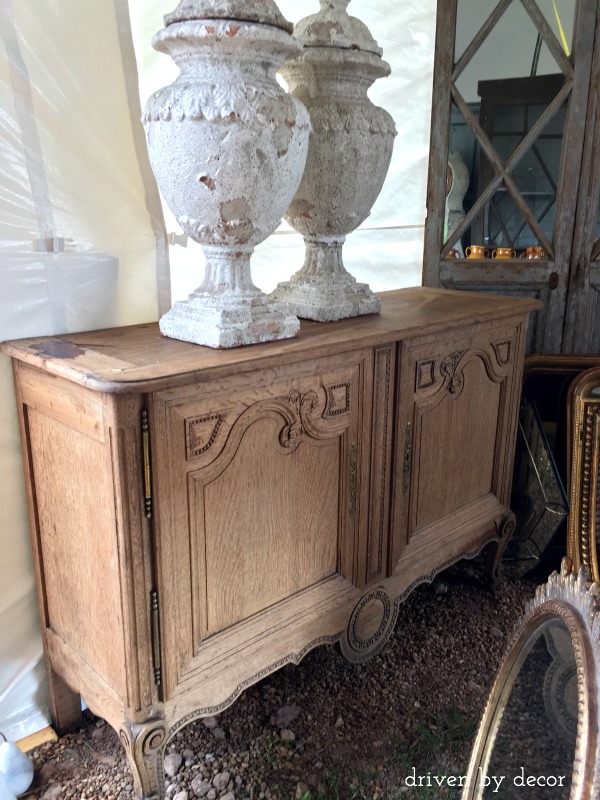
258,478
458,399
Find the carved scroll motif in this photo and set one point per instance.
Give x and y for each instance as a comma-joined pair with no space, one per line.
449,370
303,406
201,433
144,745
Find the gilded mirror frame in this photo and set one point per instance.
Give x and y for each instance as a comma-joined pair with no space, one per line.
572,598
584,459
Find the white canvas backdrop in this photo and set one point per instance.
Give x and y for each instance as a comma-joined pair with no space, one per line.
74,178
81,247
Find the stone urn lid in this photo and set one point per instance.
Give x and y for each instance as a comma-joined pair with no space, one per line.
332,26
263,11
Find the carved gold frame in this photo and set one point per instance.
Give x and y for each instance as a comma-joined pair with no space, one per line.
584,459
572,598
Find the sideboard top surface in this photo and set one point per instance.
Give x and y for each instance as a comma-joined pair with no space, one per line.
139,359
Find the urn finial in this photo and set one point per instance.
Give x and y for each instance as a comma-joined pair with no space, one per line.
332,26
335,5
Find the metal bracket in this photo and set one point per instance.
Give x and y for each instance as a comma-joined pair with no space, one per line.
147,464
155,619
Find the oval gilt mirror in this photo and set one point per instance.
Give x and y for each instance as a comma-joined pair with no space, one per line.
539,736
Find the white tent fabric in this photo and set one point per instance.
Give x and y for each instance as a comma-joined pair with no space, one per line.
82,246
82,237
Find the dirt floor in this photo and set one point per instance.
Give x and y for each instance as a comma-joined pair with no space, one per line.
328,729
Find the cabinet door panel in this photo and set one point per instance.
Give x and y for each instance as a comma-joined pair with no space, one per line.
266,535
259,500
450,477
456,425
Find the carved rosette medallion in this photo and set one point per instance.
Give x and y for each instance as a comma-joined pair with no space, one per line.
228,147
370,626
348,159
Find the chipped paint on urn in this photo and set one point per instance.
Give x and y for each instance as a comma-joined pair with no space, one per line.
348,159
228,147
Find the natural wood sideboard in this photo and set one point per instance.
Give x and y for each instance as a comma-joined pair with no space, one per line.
200,518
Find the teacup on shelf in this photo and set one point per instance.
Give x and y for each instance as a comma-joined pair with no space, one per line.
476,251
535,251
504,252
454,253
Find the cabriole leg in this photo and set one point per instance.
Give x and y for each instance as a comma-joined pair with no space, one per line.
145,749
493,552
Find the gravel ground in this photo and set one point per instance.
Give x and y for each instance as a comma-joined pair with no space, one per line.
327,729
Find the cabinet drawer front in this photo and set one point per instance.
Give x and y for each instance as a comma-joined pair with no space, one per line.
256,501
455,434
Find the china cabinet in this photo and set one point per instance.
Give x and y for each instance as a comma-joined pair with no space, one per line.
527,127
200,517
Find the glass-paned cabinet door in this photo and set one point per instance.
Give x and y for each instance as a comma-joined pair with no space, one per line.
582,321
511,84
512,89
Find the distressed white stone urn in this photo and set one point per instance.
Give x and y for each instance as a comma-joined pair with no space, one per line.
228,147
348,159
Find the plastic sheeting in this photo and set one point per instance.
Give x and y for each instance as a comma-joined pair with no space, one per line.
82,246
81,232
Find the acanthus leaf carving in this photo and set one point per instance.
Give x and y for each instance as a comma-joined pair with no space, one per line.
303,406
201,100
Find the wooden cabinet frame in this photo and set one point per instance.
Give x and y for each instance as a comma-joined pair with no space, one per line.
201,518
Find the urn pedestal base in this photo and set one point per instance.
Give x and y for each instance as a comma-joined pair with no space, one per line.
323,290
325,300
227,309
232,320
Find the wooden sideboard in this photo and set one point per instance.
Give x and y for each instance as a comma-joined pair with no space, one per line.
200,517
